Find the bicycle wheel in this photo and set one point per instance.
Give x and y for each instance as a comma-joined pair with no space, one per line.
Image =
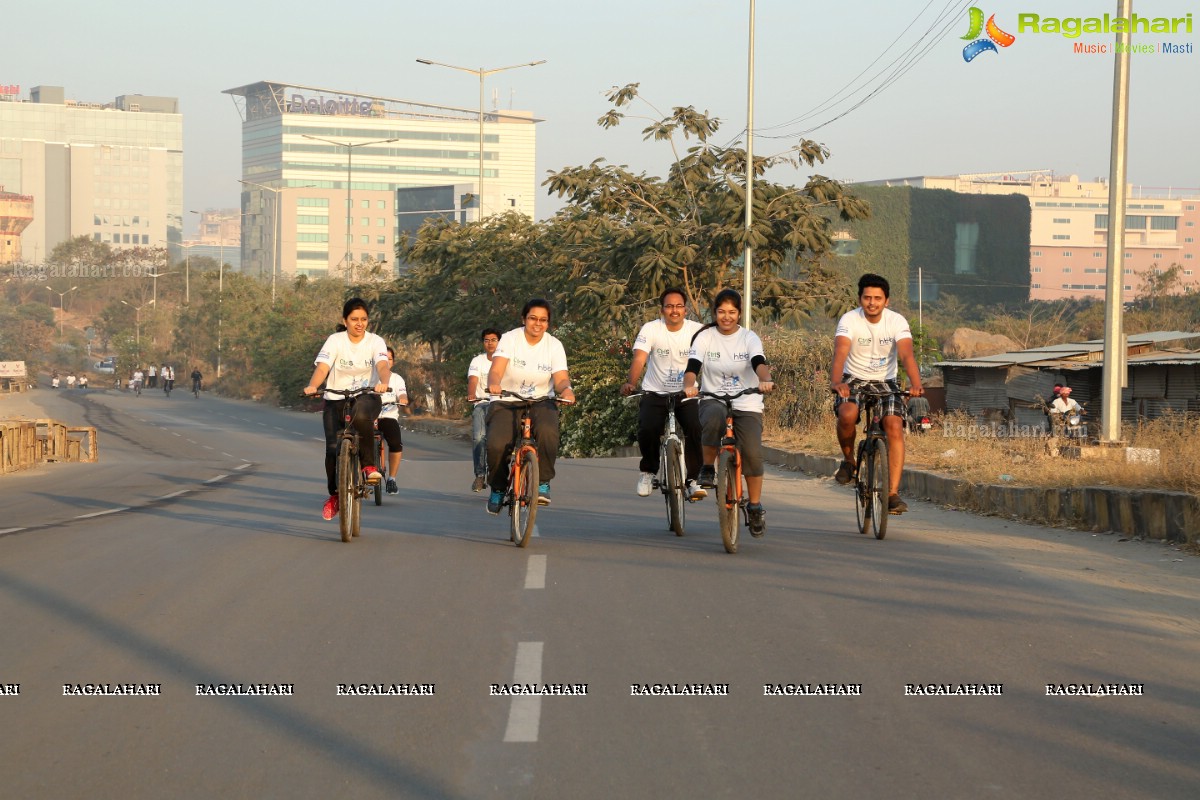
674,487
727,500
523,510
346,493
879,488
862,495
381,464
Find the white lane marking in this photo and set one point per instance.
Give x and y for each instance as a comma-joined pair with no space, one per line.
174,494
535,530
231,455
525,713
205,446
102,513
219,477
247,464
175,433
535,573
192,441
11,530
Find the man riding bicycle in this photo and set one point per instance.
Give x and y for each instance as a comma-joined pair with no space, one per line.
661,349
868,343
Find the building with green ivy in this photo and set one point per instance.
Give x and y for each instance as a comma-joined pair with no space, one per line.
937,242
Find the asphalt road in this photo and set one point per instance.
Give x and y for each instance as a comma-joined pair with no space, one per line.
220,570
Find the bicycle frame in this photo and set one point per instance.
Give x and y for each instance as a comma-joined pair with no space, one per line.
673,488
731,494
521,496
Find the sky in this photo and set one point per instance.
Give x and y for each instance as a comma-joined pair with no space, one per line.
882,84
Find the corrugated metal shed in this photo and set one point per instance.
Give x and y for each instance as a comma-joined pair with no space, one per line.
1159,381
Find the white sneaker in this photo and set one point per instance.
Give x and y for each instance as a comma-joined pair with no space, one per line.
696,491
645,484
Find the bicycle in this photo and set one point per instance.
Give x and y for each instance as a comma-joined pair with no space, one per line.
671,478
731,499
871,473
521,494
351,487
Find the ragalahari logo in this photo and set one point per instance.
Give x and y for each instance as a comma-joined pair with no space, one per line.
995,36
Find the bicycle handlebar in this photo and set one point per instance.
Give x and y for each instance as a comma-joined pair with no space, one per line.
902,393
680,396
531,400
716,395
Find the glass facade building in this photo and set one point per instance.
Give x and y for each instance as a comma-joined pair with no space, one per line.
321,169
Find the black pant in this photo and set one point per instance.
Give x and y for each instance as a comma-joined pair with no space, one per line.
652,419
366,409
503,429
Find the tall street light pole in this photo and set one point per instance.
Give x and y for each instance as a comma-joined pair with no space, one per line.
61,295
187,270
138,339
349,209
482,73
747,283
156,276
277,231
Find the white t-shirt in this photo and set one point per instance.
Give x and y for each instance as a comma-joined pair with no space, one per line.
725,364
872,346
397,387
480,366
1061,406
530,368
351,366
669,351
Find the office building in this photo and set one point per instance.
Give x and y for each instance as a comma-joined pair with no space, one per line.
112,172
1068,234
321,168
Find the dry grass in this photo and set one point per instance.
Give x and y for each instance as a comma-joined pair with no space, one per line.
962,447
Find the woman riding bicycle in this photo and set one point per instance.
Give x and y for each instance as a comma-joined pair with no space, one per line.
727,358
349,359
531,363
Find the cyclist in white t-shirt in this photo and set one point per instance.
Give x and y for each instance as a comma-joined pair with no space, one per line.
661,349
477,376
350,359
389,423
531,363
868,344
726,358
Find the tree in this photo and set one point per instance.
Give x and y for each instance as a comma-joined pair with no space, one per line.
465,278
647,233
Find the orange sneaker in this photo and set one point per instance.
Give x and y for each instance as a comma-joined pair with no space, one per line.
372,476
331,507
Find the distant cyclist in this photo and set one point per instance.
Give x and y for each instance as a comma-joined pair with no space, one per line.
867,345
350,359
477,394
661,349
389,424
197,380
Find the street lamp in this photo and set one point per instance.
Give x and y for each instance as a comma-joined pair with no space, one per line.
187,270
277,228
138,339
156,276
61,295
349,210
482,73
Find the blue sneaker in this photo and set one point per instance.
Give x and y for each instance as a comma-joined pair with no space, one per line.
495,499
543,494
